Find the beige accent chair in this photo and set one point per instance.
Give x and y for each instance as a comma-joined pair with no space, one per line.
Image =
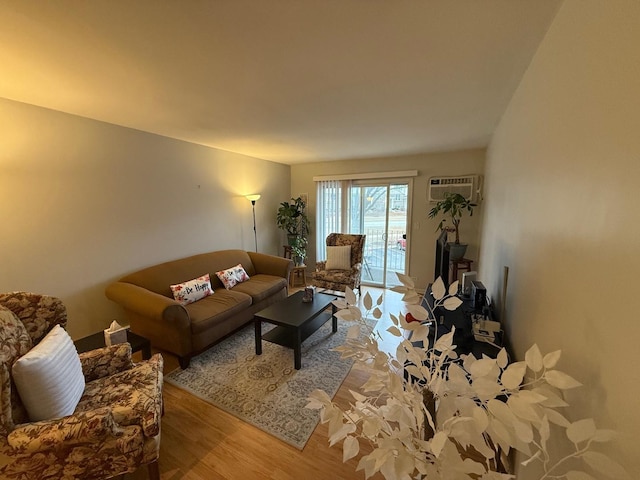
339,280
115,427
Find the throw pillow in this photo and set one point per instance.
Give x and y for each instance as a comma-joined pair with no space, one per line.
339,258
232,276
49,377
193,290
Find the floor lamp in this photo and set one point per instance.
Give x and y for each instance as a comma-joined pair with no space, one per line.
252,199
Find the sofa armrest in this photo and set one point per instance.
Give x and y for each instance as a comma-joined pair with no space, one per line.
320,266
103,362
148,304
271,265
84,427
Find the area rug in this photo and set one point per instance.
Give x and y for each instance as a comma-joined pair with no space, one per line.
266,390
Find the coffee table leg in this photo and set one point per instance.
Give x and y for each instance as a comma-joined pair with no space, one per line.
258,327
334,319
297,351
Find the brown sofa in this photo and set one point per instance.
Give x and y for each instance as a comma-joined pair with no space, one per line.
190,329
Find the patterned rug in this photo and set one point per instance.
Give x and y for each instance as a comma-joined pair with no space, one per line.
265,390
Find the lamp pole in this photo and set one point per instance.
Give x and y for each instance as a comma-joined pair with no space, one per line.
255,232
253,199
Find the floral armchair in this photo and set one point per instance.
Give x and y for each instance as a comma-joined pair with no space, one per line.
340,279
115,427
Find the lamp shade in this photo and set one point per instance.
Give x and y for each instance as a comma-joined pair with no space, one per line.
253,198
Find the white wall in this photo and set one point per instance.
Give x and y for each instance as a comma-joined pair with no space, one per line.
422,238
562,181
84,202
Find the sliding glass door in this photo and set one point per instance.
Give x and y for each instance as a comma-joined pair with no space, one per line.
380,211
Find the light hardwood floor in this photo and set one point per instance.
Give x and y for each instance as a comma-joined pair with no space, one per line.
202,442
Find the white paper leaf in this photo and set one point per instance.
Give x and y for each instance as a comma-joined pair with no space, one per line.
556,418
503,358
482,367
350,448
358,397
367,301
452,303
406,280
453,288
353,332
545,432
512,377
582,430
501,411
523,431
437,289
341,433
523,409
350,297
553,399
531,396
418,312
395,331
551,359
603,464
533,358
437,443
481,419
340,303
561,380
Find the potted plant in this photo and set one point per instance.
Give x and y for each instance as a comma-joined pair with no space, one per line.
452,207
299,250
291,218
428,413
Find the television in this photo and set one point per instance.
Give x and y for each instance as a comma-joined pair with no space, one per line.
442,259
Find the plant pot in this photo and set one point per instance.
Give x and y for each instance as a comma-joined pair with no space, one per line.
457,250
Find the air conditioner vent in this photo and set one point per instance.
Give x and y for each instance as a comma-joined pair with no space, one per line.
468,186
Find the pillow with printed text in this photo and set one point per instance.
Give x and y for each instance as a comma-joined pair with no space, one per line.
232,276
193,290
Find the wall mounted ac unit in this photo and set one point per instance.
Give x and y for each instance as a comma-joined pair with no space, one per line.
469,186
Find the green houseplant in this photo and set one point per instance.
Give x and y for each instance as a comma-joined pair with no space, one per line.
482,404
452,207
292,218
299,250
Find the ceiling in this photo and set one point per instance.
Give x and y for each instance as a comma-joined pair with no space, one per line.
283,80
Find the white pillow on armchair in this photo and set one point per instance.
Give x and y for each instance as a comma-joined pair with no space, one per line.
339,258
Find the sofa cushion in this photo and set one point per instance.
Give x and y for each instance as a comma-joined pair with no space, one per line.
216,308
261,286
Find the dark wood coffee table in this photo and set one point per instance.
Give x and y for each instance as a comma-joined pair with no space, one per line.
295,321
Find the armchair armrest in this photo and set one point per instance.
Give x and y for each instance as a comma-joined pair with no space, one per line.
85,427
271,265
105,361
148,304
144,408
